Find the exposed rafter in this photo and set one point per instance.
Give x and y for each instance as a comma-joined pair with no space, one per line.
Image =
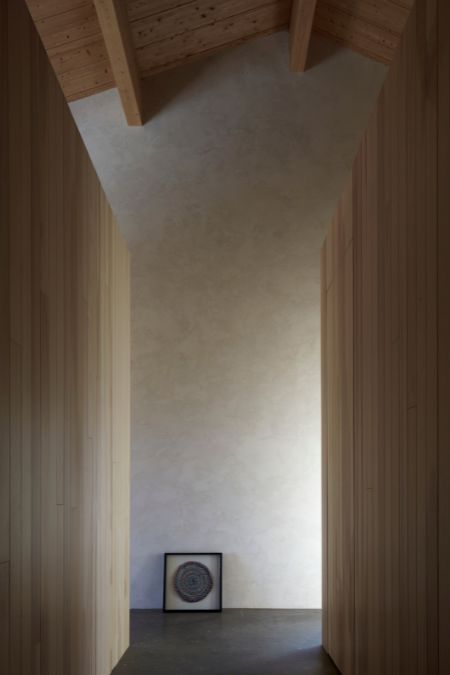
302,16
114,25
169,33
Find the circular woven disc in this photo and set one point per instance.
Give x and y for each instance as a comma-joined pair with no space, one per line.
193,581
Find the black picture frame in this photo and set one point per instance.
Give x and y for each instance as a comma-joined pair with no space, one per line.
195,557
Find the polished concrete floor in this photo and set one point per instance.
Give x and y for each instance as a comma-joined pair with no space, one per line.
235,642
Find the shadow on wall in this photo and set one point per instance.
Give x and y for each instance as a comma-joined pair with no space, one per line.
149,580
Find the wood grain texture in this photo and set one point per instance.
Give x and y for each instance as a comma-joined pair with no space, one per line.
4,617
400,478
113,20
71,35
182,47
168,33
300,27
165,33
62,283
370,27
444,330
324,430
4,302
337,369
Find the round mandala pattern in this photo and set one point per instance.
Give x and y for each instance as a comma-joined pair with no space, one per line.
193,581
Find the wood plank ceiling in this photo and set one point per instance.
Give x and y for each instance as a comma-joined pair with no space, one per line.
167,33
162,34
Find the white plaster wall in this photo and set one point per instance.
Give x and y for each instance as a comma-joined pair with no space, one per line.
224,197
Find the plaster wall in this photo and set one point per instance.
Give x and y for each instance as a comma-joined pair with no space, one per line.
224,197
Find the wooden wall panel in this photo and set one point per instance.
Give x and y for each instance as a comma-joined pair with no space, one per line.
400,476
4,617
64,395
337,308
443,281
4,304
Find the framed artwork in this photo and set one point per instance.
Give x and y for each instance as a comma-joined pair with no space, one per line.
192,582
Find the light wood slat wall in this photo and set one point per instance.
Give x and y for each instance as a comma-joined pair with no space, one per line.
338,463
386,551
168,33
64,388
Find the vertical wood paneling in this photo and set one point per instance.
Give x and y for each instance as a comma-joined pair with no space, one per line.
4,617
444,331
62,359
324,385
337,365
121,440
4,301
19,52
400,476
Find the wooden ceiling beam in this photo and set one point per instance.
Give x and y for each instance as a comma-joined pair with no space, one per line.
165,35
113,20
300,28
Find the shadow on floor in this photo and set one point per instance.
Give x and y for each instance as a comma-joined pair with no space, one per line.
235,642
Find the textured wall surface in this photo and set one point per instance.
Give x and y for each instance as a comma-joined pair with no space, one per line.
224,197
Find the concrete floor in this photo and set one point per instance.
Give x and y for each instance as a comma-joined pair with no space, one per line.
235,642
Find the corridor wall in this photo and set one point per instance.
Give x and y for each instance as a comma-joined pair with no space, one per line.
386,374
64,383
